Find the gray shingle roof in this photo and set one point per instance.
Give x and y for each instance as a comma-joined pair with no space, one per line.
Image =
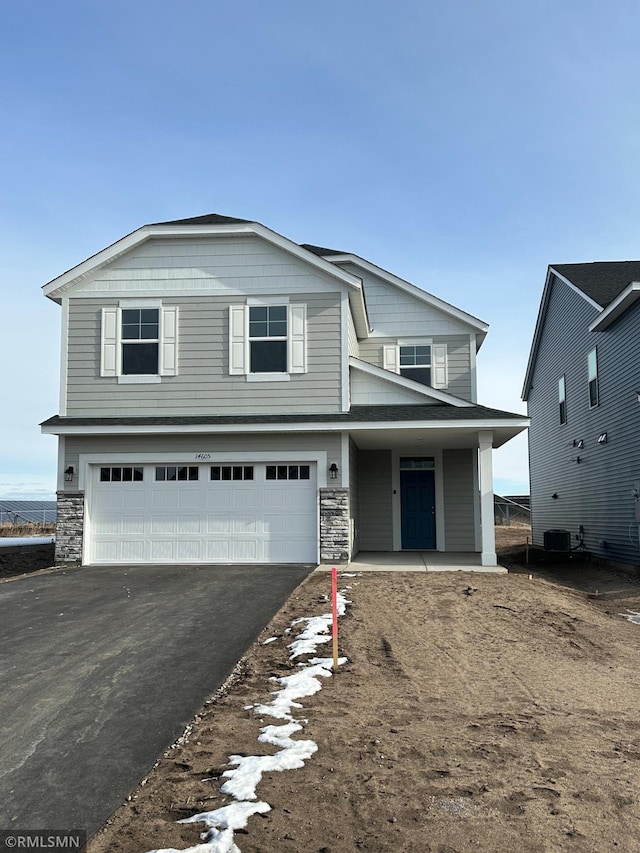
205,219
320,251
358,414
601,281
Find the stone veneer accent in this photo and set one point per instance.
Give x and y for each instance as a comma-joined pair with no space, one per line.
334,525
69,527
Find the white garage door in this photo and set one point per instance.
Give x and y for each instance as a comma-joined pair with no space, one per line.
214,513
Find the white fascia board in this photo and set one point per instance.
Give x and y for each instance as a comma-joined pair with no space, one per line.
70,278
542,313
408,384
479,325
616,308
576,289
521,422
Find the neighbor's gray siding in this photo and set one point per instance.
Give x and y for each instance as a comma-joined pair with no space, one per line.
203,384
459,516
166,444
596,492
458,358
354,496
376,514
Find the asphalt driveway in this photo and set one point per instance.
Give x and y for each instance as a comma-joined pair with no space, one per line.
100,670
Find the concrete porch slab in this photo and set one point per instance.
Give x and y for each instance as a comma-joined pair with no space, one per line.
415,561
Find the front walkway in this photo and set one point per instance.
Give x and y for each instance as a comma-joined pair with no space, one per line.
416,561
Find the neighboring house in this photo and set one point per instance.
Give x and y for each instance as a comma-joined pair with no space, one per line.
583,392
230,396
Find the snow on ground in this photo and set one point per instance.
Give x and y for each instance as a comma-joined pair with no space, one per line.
242,781
632,616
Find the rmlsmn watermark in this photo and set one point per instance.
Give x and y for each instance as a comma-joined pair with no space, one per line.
43,839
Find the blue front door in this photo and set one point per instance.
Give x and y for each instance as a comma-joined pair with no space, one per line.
417,509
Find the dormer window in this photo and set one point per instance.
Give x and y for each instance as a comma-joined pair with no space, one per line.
415,363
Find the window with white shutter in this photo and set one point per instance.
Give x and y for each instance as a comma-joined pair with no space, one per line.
139,341
267,340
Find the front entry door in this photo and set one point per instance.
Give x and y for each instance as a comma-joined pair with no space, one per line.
418,509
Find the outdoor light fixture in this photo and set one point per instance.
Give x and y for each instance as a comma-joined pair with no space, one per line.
333,470
68,474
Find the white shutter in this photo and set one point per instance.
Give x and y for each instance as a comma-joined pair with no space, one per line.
391,358
297,339
169,342
109,346
237,340
439,366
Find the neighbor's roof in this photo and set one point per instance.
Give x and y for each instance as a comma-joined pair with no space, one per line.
601,281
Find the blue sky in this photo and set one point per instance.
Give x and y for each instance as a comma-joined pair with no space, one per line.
462,145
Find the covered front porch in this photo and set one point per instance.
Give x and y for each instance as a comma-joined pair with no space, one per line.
421,496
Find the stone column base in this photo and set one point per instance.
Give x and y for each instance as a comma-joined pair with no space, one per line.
335,545
69,527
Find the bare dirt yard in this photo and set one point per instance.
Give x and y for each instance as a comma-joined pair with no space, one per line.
493,713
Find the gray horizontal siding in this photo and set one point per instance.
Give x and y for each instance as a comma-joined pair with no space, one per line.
596,492
167,444
203,384
375,486
459,515
458,359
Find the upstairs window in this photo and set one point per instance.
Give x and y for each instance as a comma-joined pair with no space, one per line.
415,363
593,378
268,339
562,400
140,339
424,362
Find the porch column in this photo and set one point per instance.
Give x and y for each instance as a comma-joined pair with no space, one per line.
487,521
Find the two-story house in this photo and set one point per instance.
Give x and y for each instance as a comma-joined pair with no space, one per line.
228,395
582,389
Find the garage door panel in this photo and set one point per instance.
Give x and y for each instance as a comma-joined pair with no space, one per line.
221,521
163,524
132,550
188,524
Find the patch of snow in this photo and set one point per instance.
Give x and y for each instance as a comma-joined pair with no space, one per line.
244,778
632,616
270,640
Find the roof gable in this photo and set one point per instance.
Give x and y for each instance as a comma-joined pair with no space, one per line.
601,281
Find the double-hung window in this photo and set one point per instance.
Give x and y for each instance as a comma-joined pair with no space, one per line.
592,362
139,341
415,363
424,362
267,339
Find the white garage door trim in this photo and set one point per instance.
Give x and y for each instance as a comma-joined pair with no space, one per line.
259,535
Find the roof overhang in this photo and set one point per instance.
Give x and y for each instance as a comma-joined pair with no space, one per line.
479,326
441,433
59,286
615,309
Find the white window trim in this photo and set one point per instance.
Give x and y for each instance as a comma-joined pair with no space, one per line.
240,341
439,360
111,342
